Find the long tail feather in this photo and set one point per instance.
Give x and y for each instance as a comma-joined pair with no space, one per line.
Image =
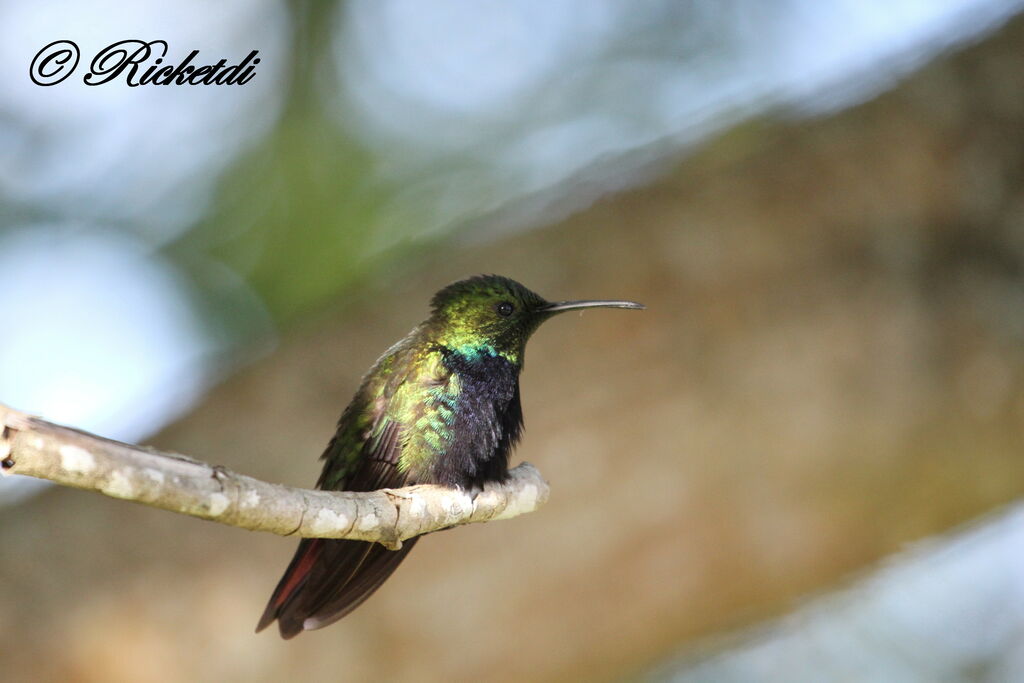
326,580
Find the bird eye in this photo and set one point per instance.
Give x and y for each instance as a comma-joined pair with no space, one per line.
505,309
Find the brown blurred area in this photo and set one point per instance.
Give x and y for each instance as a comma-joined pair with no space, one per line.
830,366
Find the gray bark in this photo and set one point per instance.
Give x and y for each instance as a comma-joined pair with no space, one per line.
37,448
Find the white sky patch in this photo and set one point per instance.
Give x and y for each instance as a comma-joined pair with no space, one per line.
147,154
465,57
103,334
480,108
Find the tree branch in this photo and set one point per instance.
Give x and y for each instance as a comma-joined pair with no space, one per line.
37,448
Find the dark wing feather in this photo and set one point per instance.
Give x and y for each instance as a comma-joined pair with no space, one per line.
329,578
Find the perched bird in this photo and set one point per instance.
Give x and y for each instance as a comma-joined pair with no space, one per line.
439,407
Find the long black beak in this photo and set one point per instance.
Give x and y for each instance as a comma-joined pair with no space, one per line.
559,306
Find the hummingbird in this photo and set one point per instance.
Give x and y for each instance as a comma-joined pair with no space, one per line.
441,406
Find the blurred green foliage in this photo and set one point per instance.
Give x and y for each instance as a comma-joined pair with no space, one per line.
295,214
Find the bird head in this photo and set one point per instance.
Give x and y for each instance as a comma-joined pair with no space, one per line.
496,315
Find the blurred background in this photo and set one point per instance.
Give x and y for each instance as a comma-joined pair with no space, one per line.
802,463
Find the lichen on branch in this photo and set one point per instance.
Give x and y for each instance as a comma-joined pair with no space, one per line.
37,448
